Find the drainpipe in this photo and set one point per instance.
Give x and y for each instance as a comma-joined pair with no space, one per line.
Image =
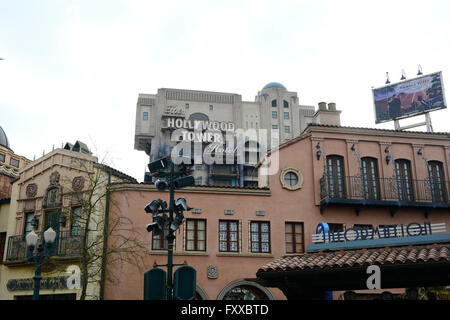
105,239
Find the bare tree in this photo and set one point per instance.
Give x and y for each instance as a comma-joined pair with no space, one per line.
104,240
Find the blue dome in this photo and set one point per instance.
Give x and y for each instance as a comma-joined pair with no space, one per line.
3,138
274,85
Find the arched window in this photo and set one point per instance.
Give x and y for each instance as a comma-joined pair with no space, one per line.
371,181
404,180
199,116
245,290
285,104
336,176
437,181
274,103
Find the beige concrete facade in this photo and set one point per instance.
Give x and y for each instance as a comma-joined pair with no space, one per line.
276,113
283,202
53,191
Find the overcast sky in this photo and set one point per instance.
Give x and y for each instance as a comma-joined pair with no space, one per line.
72,70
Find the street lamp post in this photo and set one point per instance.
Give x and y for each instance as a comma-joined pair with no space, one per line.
175,180
44,251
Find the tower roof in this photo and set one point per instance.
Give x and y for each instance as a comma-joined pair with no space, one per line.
3,138
274,85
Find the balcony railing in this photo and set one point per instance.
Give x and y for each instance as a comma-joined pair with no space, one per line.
375,191
67,245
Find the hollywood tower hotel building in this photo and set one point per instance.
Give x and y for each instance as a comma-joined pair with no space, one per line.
275,109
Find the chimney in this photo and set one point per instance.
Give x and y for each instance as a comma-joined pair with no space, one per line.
327,116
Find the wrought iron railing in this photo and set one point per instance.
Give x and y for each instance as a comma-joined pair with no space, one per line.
384,189
67,245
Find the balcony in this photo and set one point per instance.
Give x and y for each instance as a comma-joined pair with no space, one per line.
68,246
393,193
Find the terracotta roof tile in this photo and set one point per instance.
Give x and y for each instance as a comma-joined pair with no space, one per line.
353,258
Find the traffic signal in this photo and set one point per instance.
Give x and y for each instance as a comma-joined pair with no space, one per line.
152,207
161,185
157,226
184,182
180,206
177,221
158,165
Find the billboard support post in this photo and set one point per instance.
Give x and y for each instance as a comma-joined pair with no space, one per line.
426,123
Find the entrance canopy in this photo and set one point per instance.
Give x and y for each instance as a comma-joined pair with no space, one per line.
310,275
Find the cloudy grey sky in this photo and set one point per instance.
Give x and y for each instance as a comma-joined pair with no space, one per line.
73,69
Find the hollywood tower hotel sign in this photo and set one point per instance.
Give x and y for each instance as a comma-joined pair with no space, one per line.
178,117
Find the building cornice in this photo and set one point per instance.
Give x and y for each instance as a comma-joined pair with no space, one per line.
377,132
115,187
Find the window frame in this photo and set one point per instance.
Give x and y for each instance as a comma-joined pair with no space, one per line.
228,232
76,221
28,223
294,238
2,245
11,159
161,239
404,179
259,234
196,233
274,115
336,176
371,178
437,180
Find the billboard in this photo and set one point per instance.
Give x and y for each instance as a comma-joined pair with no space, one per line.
409,98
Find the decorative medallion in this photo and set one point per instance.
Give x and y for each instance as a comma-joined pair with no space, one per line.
31,190
213,273
54,178
78,183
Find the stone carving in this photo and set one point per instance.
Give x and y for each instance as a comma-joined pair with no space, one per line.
78,183
213,273
54,179
31,190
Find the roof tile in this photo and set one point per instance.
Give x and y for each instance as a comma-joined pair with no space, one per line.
353,258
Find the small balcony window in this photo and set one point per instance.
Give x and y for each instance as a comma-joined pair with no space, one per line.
14,162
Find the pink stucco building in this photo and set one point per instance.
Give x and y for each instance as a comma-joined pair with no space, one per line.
345,176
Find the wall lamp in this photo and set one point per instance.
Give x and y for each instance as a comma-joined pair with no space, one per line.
319,151
388,156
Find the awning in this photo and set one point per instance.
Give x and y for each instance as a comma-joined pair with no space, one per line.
309,275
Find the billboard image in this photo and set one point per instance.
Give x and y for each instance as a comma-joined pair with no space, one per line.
409,98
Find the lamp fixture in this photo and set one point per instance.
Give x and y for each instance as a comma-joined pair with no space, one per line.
388,158
403,75
31,239
387,78
49,235
419,72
